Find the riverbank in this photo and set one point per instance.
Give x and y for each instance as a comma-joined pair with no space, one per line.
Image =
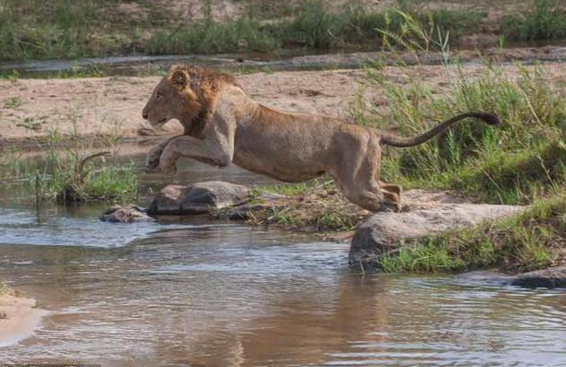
110,107
19,317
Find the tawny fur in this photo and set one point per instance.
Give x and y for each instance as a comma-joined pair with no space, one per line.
223,125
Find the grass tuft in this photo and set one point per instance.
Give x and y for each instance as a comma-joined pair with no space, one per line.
512,164
545,21
69,173
4,289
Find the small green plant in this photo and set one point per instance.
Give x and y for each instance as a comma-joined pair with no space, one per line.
29,123
86,183
13,102
4,289
314,205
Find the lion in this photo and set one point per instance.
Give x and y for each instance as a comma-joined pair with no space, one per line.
223,125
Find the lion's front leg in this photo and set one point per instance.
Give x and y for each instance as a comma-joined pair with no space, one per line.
154,156
217,152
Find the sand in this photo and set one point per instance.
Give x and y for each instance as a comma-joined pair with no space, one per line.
18,318
35,108
112,106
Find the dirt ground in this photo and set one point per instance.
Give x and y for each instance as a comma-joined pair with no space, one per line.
34,109
18,318
112,106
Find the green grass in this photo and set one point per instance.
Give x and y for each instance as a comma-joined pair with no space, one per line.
4,289
310,25
289,189
68,173
13,102
522,161
545,21
510,164
33,29
106,183
52,29
209,38
308,206
532,240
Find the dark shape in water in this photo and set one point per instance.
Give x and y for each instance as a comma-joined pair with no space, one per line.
128,214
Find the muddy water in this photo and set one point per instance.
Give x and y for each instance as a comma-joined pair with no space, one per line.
192,293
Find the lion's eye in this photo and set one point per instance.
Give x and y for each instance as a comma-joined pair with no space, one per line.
158,97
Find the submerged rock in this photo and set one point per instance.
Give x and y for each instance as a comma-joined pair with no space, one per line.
127,214
199,198
547,278
429,213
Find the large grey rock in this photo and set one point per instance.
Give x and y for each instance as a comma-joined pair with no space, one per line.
547,278
199,198
428,213
128,214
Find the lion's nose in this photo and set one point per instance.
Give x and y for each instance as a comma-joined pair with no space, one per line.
145,115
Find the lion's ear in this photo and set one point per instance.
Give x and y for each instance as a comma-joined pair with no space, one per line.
179,78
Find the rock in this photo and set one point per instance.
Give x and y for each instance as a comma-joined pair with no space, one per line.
429,214
547,278
200,198
128,214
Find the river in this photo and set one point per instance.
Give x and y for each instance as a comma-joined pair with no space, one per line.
196,293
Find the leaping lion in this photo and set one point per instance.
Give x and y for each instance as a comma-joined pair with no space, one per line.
223,125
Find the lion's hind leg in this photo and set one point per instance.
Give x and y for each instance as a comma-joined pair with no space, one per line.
358,177
376,201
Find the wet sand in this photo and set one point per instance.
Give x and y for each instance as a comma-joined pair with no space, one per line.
18,318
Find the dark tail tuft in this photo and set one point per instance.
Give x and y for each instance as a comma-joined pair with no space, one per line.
489,117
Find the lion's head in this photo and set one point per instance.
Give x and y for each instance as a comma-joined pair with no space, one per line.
186,94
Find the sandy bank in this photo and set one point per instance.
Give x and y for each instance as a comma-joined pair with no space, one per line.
33,108
112,106
18,318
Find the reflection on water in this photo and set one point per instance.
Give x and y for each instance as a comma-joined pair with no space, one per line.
236,296
202,294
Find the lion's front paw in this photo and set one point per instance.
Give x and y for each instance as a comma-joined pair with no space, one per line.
153,158
169,169
151,163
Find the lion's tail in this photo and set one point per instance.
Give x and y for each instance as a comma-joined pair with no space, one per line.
398,141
